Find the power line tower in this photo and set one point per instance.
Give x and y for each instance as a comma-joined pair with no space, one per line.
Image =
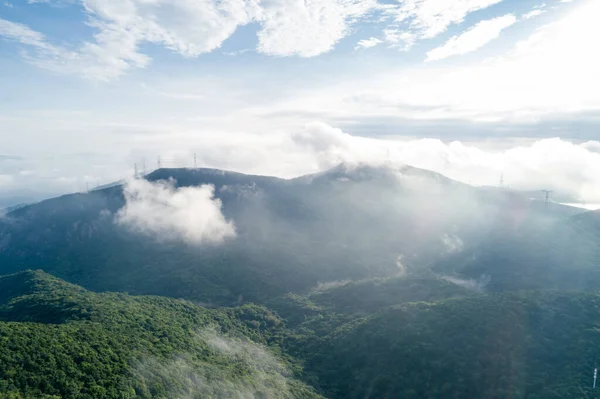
195,164
158,163
547,195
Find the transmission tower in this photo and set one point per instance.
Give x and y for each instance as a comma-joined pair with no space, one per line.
195,161
547,195
158,163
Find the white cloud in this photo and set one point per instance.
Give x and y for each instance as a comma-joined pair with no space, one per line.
195,27
551,74
21,33
533,13
570,169
307,28
368,43
192,28
113,53
191,214
427,19
472,39
9,5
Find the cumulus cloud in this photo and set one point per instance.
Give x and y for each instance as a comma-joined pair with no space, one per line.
472,39
307,28
192,28
570,169
191,214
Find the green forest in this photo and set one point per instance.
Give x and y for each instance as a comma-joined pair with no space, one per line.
58,340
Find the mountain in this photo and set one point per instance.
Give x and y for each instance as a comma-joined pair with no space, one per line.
358,282
353,222
58,340
292,234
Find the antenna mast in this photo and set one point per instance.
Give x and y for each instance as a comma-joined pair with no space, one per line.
547,194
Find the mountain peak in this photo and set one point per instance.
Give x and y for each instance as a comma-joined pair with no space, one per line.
384,172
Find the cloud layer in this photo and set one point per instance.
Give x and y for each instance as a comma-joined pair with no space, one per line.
191,214
571,169
195,27
190,28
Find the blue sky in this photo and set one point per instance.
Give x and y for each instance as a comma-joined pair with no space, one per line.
285,87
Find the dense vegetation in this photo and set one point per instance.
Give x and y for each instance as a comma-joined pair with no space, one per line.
60,341
530,345
370,283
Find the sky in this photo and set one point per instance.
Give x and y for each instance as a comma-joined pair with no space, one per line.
473,89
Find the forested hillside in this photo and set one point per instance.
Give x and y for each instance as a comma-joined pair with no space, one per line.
530,345
58,340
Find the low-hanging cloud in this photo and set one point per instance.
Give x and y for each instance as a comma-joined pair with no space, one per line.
264,376
478,285
570,169
191,214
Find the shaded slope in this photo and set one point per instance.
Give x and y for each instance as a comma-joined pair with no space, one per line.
499,346
353,222
535,254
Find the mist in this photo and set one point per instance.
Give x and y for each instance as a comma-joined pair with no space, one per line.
191,214
252,372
